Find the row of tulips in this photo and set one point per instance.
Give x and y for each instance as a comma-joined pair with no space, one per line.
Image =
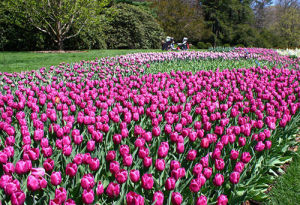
80,135
138,63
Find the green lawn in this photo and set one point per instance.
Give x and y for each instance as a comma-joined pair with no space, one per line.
22,61
286,190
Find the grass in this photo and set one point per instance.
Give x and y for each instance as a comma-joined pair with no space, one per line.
24,61
209,64
287,187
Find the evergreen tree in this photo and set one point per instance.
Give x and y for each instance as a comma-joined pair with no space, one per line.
225,18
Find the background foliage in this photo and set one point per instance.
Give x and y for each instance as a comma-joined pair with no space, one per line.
144,23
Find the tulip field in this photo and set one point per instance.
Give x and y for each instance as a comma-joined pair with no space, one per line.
154,128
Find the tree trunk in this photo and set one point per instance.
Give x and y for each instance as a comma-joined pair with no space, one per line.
60,44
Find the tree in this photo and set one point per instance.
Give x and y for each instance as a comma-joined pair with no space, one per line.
179,19
285,4
259,8
225,17
283,21
56,18
288,26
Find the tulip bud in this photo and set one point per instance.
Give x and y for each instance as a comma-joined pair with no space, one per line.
260,146
234,154
176,198
71,169
127,160
160,164
70,202
239,166
180,147
242,141
158,197
90,146
61,195
143,152
100,189
234,177
88,196
55,178
204,143
133,198
113,190
18,198
191,156
111,155
219,164
147,181
202,200
268,144
218,180
9,168
139,142
94,164
207,172
170,183
197,169
114,167
124,150
246,157
78,159
222,200
174,164
121,176
87,181
134,175
195,185
147,162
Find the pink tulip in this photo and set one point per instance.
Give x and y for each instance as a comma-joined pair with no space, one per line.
100,189
160,164
195,186
134,175
55,178
133,198
218,180
158,197
18,198
176,198
234,177
121,176
61,195
147,181
88,196
202,200
71,169
170,183
94,164
111,155
222,200
87,181
113,190
191,156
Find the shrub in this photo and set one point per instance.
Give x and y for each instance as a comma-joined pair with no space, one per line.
208,45
240,45
202,45
128,26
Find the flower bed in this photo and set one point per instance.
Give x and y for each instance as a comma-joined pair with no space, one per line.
107,132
